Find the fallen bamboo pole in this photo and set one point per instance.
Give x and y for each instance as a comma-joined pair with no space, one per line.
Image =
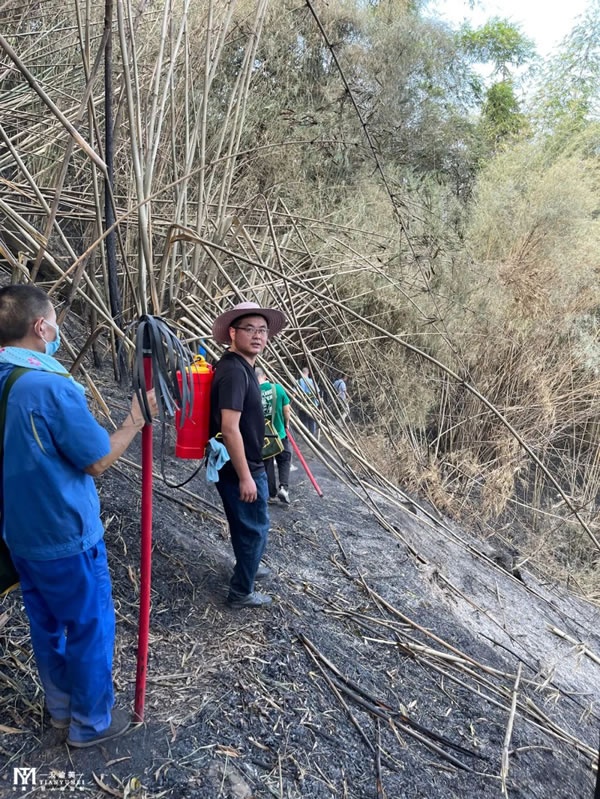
508,734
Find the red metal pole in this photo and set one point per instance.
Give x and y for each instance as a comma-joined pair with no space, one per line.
145,560
304,464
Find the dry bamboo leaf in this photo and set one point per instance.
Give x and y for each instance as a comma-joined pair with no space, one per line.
133,788
228,751
106,788
11,730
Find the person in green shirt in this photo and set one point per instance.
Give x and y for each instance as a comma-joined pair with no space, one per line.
280,415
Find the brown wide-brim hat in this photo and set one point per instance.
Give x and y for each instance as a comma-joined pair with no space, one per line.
276,320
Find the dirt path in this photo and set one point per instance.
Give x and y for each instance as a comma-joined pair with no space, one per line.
311,697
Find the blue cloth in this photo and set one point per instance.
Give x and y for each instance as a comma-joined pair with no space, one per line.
249,530
217,457
341,388
30,359
307,385
72,622
51,506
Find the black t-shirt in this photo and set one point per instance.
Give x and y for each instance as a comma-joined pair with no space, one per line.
235,388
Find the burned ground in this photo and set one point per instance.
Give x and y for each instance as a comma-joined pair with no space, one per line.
373,625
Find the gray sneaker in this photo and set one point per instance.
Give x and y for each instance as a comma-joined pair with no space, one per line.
120,722
284,495
263,572
253,600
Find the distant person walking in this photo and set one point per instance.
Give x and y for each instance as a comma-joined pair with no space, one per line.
307,386
341,391
276,406
236,413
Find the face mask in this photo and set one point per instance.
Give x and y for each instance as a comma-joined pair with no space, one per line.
52,346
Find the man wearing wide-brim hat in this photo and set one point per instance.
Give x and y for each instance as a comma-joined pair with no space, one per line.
236,413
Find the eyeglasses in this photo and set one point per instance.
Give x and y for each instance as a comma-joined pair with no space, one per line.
251,330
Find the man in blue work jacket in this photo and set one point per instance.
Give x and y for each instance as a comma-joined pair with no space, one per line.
53,448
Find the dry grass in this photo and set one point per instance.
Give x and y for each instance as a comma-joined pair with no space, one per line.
223,190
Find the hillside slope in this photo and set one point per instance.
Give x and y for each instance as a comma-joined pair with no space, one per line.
311,697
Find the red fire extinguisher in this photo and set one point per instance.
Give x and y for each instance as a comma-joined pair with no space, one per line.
192,436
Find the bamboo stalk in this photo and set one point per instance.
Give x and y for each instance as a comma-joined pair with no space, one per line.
90,152
508,733
579,645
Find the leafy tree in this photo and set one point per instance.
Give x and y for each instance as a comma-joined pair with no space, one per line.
411,82
568,96
502,45
418,91
501,113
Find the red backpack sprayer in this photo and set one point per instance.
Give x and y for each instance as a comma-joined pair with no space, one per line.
192,430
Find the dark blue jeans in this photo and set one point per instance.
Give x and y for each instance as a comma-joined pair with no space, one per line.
249,529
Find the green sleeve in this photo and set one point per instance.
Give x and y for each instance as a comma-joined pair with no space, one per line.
283,395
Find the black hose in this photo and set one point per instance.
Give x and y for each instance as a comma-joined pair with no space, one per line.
156,340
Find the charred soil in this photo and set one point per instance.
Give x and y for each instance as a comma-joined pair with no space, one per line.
397,660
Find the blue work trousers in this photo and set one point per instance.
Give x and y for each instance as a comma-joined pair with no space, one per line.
249,530
72,619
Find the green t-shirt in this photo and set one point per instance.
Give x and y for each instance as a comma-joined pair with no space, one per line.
281,399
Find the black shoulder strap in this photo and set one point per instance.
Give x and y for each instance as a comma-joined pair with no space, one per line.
8,384
8,573
10,381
